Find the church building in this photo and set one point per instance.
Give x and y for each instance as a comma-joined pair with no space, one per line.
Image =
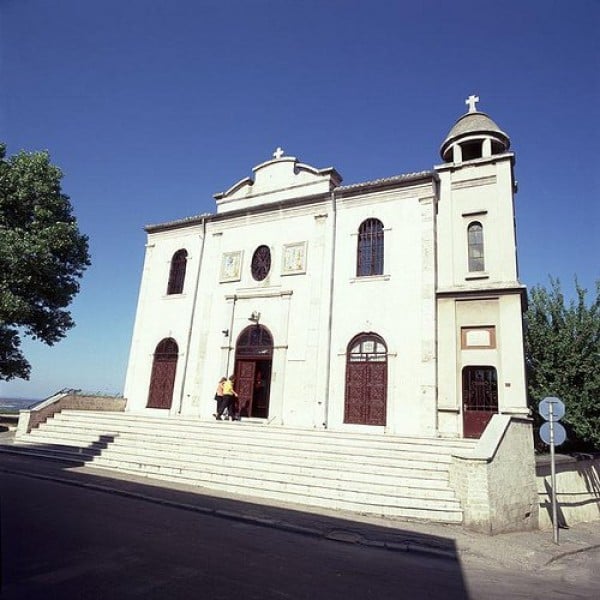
390,306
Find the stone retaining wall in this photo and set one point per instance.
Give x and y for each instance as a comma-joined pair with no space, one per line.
31,418
577,489
495,482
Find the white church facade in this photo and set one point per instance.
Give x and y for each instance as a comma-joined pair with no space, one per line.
389,306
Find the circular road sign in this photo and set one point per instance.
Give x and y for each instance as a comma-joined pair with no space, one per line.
558,408
560,435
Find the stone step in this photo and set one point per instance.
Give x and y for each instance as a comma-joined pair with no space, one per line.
373,474
247,483
303,442
251,446
340,495
399,480
417,471
309,479
192,424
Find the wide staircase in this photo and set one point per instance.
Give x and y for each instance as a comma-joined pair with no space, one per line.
399,477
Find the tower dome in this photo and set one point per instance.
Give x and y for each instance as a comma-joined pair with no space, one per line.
474,135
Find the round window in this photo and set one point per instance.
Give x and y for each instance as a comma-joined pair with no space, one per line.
261,263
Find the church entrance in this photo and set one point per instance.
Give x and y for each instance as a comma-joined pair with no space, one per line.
162,380
480,399
253,363
366,381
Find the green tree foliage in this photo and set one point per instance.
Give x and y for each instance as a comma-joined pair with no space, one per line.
563,357
42,257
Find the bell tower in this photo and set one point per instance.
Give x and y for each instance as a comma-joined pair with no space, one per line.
479,297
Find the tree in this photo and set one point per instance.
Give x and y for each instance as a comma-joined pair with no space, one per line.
42,257
563,357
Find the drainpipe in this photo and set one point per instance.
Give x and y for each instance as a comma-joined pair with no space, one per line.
191,327
436,317
330,315
230,334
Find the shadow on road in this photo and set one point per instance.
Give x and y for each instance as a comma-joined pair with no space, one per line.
436,562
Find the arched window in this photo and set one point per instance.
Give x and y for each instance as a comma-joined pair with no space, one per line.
261,263
475,243
369,259
162,380
366,380
255,340
177,272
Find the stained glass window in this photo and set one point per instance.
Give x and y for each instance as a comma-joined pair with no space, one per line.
261,263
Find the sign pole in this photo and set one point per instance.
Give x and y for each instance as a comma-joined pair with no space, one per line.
552,432
553,474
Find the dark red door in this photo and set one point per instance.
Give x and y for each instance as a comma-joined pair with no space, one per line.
480,399
356,390
366,381
162,379
253,378
244,386
366,385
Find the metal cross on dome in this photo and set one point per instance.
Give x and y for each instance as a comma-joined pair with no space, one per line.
278,153
471,101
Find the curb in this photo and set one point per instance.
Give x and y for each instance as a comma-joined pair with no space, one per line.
571,553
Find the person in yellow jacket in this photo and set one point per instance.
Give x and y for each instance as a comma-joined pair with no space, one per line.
229,396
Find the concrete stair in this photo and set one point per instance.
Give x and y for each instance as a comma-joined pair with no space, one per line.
392,476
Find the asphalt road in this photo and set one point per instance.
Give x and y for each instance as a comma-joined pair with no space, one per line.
66,542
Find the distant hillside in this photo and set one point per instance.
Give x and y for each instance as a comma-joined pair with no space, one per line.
14,404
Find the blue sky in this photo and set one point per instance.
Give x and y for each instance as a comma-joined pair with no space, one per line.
150,107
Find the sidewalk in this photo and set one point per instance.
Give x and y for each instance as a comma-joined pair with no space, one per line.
521,550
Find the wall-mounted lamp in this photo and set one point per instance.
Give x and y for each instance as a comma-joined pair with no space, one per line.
225,332
254,317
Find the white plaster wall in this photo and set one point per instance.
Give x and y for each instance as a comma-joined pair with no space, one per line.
308,376
480,190
503,312
274,181
160,315
390,305
291,307
476,192
449,398
511,349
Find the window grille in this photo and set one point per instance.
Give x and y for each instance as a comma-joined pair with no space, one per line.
369,259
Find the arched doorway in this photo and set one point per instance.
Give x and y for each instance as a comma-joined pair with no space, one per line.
480,399
366,380
253,362
162,379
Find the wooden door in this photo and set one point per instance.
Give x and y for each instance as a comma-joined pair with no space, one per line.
356,378
376,404
480,399
162,380
244,385
366,385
